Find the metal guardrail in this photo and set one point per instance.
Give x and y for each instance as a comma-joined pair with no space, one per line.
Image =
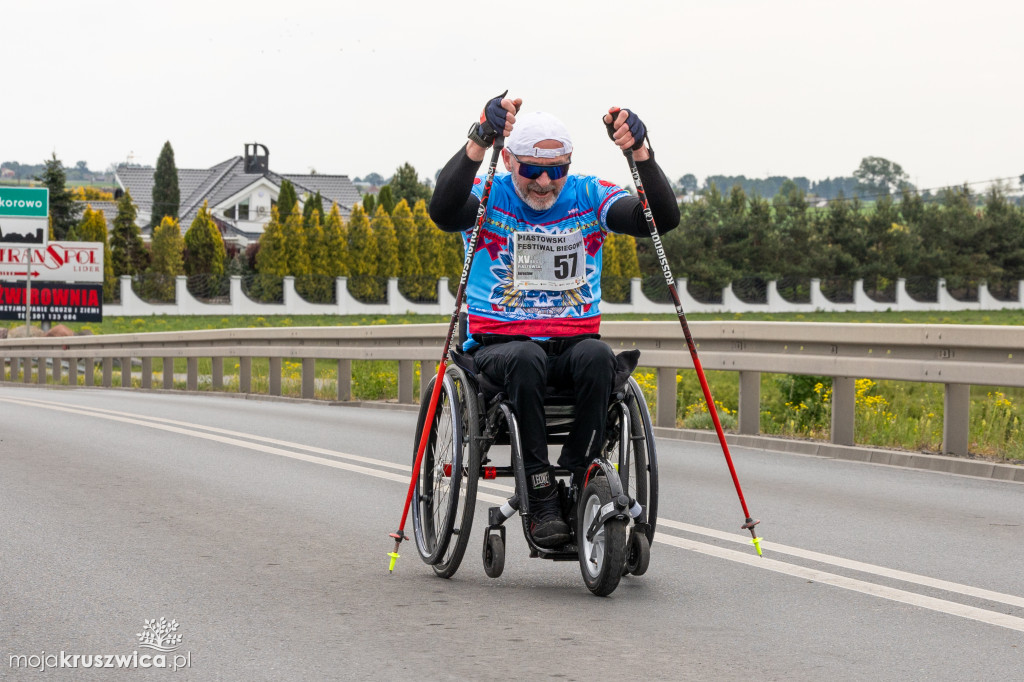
956,356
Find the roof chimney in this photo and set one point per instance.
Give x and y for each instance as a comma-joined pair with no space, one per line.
254,161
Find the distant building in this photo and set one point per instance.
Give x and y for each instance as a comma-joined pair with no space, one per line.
240,192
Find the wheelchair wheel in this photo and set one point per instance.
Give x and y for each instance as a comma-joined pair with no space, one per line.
494,556
638,554
445,494
603,556
643,460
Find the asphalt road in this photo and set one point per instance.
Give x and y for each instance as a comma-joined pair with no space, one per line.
261,529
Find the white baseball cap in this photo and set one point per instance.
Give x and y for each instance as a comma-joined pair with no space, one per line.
535,127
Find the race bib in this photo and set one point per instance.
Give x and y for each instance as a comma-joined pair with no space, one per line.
549,262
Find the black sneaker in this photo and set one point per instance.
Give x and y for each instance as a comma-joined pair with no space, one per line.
547,526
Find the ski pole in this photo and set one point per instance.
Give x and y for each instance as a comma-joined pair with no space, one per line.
749,523
481,212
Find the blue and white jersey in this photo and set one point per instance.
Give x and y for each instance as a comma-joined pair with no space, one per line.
552,286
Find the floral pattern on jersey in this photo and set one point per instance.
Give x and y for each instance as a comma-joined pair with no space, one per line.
530,304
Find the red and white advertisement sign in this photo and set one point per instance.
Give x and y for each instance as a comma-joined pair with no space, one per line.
55,262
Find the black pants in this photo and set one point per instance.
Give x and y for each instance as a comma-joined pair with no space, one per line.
526,369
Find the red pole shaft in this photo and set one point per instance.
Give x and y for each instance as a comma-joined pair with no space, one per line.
663,260
467,263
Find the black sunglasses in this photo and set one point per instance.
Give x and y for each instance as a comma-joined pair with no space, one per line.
532,171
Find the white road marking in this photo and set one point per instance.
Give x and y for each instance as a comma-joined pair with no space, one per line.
259,443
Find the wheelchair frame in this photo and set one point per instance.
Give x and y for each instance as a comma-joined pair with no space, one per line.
609,501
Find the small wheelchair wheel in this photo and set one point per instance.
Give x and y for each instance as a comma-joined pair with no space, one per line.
638,553
494,556
445,494
603,556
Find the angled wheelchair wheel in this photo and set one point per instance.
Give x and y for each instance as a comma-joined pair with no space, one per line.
642,483
445,493
632,451
603,555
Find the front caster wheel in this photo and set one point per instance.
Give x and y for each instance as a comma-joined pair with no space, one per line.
602,556
494,556
638,554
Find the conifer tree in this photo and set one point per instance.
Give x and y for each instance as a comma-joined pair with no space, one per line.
286,200
409,269
362,250
205,253
64,211
168,258
296,245
336,244
128,254
612,289
314,204
93,228
387,244
429,248
385,199
166,196
315,286
369,204
405,184
271,260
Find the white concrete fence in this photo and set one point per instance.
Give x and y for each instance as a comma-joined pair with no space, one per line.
185,304
956,356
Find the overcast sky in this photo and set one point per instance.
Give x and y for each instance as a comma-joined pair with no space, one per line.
752,87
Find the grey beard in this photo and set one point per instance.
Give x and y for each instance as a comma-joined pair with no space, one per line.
533,203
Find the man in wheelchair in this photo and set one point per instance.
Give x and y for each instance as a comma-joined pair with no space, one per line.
534,290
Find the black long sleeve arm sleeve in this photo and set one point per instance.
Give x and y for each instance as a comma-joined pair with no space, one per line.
626,215
453,206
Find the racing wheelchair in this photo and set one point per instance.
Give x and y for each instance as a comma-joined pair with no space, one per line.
611,504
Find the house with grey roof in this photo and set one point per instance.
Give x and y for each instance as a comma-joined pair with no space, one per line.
240,193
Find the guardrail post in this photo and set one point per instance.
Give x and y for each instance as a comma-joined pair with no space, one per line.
147,372
344,380
308,378
956,419
405,372
126,372
245,375
275,376
89,368
168,374
108,372
57,370
26,376
217,372
192,374
41,370
844,408
428,368
72,371
666,414
749,418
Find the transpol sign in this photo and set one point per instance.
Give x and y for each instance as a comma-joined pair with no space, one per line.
58,261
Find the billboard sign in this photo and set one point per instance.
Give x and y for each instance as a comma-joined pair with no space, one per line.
53,302
55,262
23,215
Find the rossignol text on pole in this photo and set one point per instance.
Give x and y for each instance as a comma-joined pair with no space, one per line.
749,523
